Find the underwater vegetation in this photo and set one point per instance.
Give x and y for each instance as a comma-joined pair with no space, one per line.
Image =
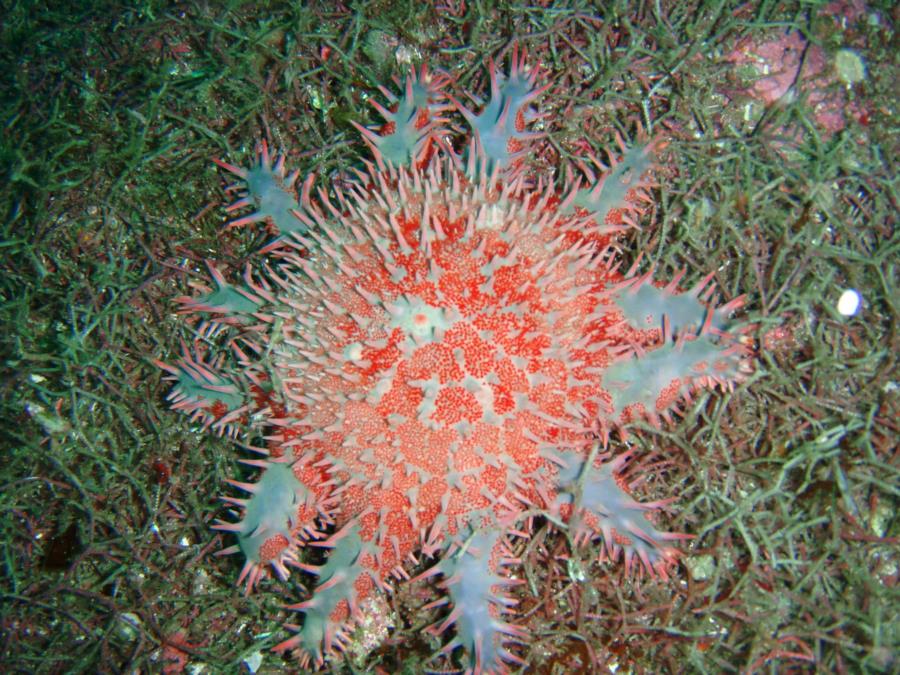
583,357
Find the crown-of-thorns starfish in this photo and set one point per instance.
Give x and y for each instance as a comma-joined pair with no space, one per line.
435,349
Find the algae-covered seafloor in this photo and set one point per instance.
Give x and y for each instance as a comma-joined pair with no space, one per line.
773,169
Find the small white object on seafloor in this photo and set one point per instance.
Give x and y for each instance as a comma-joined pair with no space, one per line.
849,302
